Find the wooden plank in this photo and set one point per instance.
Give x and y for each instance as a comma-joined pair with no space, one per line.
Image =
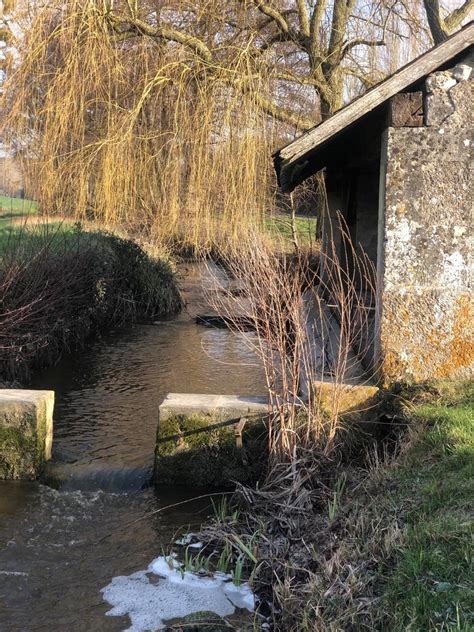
374,97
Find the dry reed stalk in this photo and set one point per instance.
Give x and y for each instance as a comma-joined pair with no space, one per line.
311,326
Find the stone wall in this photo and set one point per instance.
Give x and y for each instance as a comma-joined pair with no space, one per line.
425,232
26,432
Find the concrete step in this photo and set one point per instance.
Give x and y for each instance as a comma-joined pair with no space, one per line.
220,407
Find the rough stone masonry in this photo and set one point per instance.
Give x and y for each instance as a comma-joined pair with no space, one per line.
425,236
26,432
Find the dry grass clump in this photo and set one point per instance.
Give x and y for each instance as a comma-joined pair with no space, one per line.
312,326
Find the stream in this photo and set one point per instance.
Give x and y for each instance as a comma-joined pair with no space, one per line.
65,538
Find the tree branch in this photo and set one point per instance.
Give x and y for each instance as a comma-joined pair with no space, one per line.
304,19
284,75
359,42
273,13
315,24
435,21
162,31
282,114
454,19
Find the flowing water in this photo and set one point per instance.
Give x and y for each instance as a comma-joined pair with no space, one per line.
63,539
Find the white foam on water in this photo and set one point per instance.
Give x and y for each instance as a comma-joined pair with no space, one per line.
173,595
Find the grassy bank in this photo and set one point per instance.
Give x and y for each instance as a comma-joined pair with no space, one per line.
59,285
278,228
430,584
381,545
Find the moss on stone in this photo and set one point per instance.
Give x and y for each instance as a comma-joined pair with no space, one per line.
19,453
210,457
23,437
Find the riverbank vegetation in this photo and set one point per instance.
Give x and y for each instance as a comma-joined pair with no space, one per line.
60,284
377,541
362,520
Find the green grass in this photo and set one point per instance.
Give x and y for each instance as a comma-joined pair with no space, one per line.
395,553
279,228
16,231
17,206
431,585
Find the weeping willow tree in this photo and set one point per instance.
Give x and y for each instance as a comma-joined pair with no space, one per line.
132,131
162,114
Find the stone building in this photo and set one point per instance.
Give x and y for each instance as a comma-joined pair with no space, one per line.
397,164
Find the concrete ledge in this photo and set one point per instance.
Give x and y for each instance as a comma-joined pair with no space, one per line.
26,432
356,401
221,407
195,448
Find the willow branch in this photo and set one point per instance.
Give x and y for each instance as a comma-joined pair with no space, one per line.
161,31
455,18
315,24
273,13
359,42
303,17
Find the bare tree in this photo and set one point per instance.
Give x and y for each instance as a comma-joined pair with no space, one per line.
136,111
441,26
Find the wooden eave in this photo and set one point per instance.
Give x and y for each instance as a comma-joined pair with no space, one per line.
309,152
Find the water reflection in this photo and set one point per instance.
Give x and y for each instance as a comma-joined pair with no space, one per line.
53,558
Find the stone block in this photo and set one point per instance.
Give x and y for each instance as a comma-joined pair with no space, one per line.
26,432
220,407
355,401
194,448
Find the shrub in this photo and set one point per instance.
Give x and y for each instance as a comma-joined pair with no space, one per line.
58,287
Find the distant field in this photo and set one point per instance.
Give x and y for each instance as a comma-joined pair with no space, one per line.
279,227
20,224
16,205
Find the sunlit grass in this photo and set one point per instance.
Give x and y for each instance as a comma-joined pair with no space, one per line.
18,206
20,225
278,227
431,586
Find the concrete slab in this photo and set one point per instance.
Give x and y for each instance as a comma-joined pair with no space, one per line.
26,432
221,407
197,447
355,401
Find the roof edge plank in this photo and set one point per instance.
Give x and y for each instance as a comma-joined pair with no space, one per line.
400,80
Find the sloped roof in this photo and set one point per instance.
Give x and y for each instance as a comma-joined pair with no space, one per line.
292,161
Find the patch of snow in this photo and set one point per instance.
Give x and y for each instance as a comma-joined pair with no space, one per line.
184,540
187,540
175,594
